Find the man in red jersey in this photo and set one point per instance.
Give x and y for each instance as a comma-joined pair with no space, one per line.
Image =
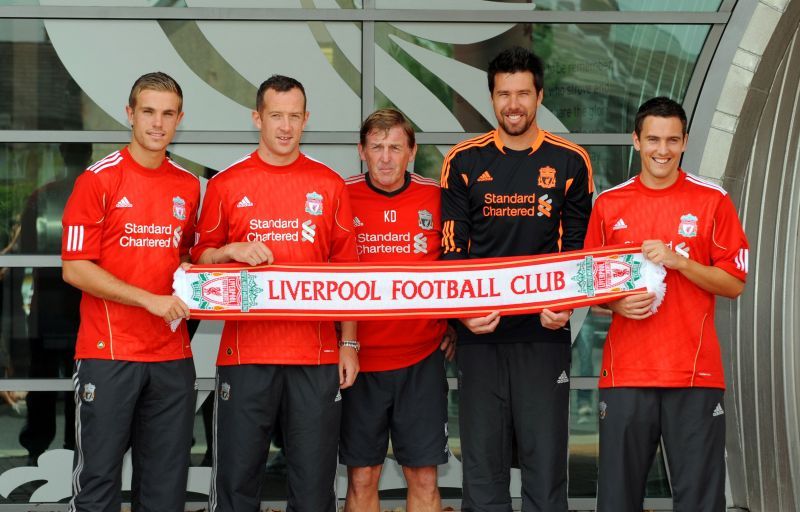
662,375
128,225
278,205
517,190
402,389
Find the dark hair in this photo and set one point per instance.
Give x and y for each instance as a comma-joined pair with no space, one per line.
659,107
278,83
384,120
157,81
515,60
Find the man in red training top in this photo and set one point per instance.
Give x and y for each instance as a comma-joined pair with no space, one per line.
127,226
278,205
402,389
662,374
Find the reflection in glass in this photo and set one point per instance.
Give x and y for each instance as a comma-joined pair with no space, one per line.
596,76
219,65
555,5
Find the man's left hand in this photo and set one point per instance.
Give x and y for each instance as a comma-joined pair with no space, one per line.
553,320
348,367
448,345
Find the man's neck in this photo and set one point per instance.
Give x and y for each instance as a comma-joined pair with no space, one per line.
277,160
519,142
145,158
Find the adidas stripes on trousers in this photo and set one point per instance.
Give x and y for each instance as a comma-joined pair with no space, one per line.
514,392
692,424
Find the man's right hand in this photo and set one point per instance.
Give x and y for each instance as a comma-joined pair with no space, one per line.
482,324
252,253
168,307
635,307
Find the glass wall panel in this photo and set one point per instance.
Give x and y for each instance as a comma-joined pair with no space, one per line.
596,76
555,5
37,178
57,76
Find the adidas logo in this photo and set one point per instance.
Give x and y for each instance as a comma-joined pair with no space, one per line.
562,379
244,203
124,203
357,222
485,176
619,225
718,410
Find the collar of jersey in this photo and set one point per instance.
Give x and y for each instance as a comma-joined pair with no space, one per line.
655,192
406,183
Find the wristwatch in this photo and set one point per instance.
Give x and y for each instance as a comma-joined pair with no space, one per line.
350,343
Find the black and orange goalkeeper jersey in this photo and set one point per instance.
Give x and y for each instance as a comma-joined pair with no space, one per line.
502,202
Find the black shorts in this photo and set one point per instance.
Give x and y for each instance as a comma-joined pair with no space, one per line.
410,403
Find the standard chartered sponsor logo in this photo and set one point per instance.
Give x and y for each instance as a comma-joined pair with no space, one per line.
150,235
281,230
309,231
391,243
274,224
420,244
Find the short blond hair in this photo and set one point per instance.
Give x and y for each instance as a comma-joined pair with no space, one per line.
157,81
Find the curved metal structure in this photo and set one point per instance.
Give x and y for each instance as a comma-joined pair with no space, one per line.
763,175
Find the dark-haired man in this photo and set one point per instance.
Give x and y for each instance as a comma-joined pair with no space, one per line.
662,374
127,226
278,205
517,190
402,389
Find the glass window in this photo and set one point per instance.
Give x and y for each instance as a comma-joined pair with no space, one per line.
554,5
59,78
596,76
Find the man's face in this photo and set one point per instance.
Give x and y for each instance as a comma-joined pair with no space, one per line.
515,101
660,145
387,154
281,123
154,120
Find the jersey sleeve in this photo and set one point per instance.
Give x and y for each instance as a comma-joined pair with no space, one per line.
455,211
577,205
729,247
83,219
343,238
595,236
212,228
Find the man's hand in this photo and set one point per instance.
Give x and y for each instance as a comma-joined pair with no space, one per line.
168,307
252,253
482,324
448,345
348,367
657,252
635,307
553,320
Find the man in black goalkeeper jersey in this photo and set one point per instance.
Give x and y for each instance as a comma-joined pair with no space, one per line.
517,190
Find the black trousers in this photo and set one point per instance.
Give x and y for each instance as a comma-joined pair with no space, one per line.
692,424
146,406
248,400
521,391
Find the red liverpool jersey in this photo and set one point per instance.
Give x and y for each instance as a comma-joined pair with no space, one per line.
136,223
404,225
677,346
301,211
